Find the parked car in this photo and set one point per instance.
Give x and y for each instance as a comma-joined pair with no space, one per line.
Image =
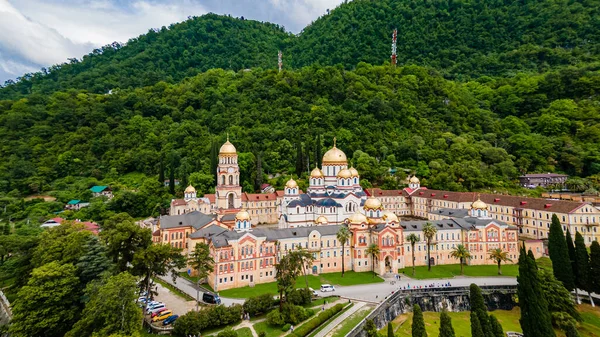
162,316
327,287
152,303
170,319
154,314
156,308
313,292
211,298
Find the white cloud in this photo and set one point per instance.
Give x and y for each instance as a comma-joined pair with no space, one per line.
303,12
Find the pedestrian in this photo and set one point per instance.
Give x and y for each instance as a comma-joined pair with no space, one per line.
323,309
291,328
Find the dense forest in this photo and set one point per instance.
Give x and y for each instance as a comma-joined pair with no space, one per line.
460,39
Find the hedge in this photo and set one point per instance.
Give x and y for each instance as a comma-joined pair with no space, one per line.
314,323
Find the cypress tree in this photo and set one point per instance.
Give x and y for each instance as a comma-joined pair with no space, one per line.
475,326
535,317
595,267
318,155
478,307
559,254
571,331
214,152
497,330
446,329
161,171
583,265
390,331
571,249
299,158
418,323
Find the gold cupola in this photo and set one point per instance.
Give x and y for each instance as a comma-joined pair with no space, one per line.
372,204
316,173
334,156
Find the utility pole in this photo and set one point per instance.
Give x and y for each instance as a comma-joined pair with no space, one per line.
394,35
280,60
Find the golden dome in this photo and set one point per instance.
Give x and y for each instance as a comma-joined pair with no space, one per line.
190,189
316,173
357,218
227,148
321,220
291,183
372,204
390,217
344,173
354,172
414,180
242,215
479,205
334,156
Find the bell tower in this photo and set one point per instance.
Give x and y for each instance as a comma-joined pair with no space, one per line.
229,190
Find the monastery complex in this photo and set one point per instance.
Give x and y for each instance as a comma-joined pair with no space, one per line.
245,252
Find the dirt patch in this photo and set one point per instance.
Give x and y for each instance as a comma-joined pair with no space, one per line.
174,302
45,197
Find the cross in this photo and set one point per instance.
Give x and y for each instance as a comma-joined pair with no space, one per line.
334,139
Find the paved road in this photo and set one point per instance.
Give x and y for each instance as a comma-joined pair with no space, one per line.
189,288
338,320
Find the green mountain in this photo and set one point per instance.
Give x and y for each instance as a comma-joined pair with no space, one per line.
460,38
169,54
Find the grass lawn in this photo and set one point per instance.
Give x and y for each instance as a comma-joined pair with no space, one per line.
350,278
351,322
451,270
268,288
244,332
321,300
272,331
322,326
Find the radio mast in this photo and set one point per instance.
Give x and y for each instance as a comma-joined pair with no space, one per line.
394,35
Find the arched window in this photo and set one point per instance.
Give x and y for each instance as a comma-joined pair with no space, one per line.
223,180
230,180
356,180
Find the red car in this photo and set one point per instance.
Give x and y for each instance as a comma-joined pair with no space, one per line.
154,314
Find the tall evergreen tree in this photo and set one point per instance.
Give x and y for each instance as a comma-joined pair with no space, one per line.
299,158
535,316
214,152
583,266
390,330
479,308
573,259
446,329
94,262
497,330
259,172
318,155
161,171
595,267
559,254
418,323
476,330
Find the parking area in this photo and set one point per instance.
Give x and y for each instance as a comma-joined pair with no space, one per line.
174,302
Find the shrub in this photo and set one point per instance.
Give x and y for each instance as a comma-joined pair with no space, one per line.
259,304
299,296
314,323
262,334
229,332
212,317
286,327
275,318
293,314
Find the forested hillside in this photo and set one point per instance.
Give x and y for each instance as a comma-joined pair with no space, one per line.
169,54
460,38
457,136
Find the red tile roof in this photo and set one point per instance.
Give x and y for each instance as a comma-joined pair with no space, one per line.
211,198
178,202
258,196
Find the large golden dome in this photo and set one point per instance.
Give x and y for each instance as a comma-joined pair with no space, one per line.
414,180
390,217
291,183
321,220
242,215
354,172
190,189
334,156
478,204
357,218
316,173
227,148
344,173
372,204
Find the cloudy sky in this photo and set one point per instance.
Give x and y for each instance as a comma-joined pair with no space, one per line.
40,33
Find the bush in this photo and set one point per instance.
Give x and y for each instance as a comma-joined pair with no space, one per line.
293,314
314,323
275,318
259,304
286,327
262,334
229,332
299,296
212,317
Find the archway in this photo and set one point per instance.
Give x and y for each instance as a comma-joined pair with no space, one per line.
388,264
314,270
432,261
230,203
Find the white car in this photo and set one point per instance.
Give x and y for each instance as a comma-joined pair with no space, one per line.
313,292
156,308
327,287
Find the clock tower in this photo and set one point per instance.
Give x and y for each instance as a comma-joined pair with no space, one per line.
228,191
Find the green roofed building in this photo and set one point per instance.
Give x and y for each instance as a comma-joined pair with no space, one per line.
98,191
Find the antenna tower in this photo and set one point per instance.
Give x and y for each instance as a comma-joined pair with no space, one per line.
279,60
394,35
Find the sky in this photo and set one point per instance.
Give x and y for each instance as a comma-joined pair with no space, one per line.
41,33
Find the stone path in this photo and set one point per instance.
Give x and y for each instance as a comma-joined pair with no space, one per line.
338,320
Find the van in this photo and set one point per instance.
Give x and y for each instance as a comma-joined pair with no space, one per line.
327,287
163,315
156,308
211,298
